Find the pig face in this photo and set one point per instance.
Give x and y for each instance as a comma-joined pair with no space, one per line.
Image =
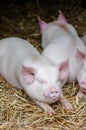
81,58
41,84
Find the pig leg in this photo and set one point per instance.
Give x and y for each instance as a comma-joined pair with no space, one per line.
66,105
46,107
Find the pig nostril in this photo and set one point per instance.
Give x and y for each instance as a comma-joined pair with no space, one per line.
52,92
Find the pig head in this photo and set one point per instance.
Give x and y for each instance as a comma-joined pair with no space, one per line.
54,29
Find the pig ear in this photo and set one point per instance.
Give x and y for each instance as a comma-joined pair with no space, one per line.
80,56
61,18
42,24
64,70
28,74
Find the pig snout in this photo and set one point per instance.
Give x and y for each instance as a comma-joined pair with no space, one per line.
52,93
83,84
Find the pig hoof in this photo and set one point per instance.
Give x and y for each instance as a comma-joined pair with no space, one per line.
48,109
80,94
51,112
68,107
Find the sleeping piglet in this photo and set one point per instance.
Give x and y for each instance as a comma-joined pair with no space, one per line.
23,67
61,42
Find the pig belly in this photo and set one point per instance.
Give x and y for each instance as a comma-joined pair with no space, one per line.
11,79
8,74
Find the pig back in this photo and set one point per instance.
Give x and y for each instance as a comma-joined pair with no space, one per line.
13,51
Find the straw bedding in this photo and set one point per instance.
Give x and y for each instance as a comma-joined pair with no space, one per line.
17,110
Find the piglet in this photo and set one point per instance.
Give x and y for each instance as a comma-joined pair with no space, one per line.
60,42
23,67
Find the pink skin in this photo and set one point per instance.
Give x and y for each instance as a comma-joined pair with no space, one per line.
61,18
43,25
81,58
83,84
82,90
84,39
45,107
28,75
51,93
29,71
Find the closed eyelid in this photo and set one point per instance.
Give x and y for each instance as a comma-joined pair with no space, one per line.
42,81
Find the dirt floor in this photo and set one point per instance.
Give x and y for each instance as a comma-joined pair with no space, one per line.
17,111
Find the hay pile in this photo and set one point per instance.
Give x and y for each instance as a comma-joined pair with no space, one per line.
17,110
